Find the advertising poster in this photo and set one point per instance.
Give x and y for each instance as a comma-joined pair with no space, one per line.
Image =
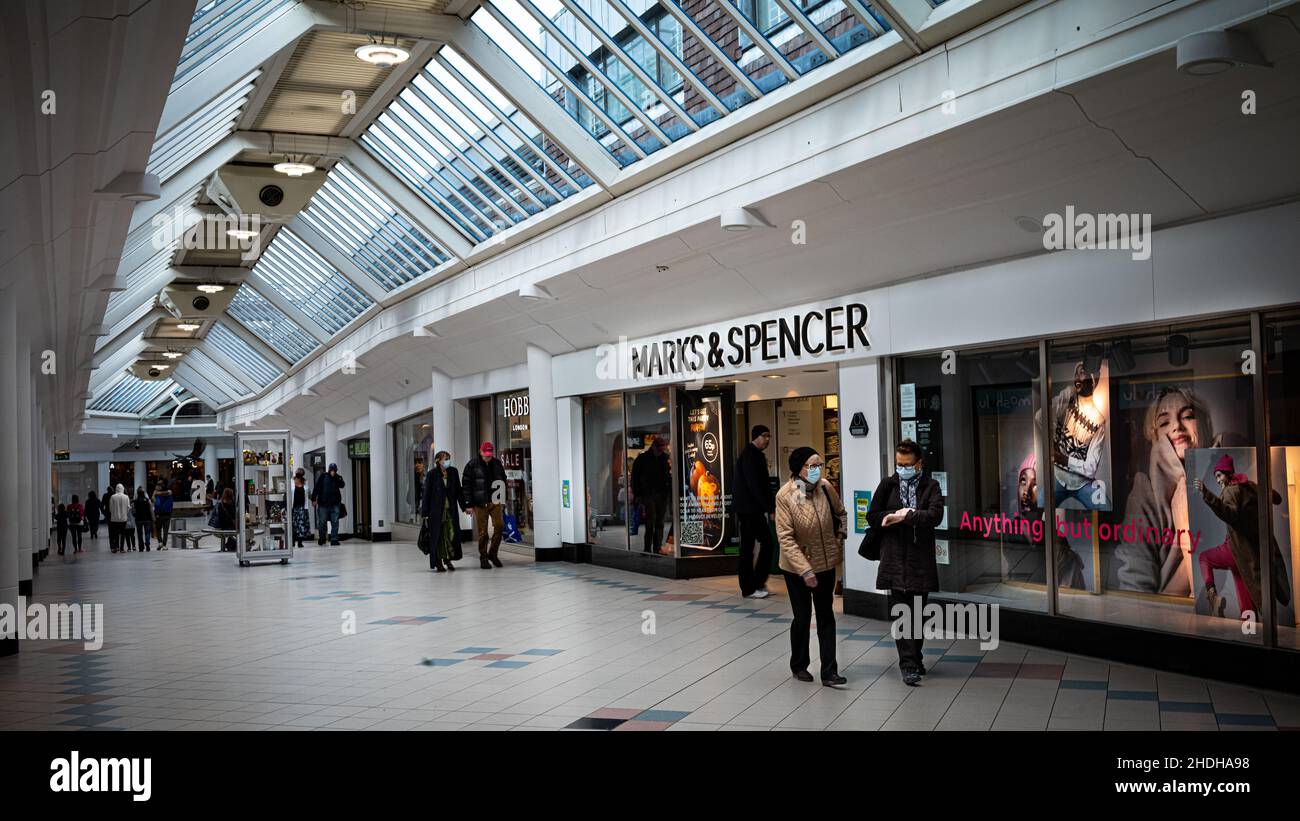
1224,517
703,499
1080,446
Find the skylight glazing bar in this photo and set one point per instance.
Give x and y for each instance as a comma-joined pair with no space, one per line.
687,75
491,134
253,363
865,17
563,77
715,51
390,221
642,76
378,141
473,144
792,10
751,31
271,325
308,283
215,375
509,122
593,70
324,217
222,25
189,139
129,395
213,394
467,211
451,146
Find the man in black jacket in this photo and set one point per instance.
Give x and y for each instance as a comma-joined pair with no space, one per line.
908,506
483,486
327,493
652,488
755,501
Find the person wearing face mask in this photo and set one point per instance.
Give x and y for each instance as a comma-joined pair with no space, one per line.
1175,422
810,530
1238,508
440,505
907,506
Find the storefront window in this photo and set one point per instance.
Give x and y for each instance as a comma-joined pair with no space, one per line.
649,449
973,415
1152,438
606,471
412,446
514,448
1282,362
77,478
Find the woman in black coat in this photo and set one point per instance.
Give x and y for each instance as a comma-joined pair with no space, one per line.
93,511
439,507
907,506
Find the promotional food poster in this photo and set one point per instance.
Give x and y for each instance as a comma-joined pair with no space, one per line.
703,499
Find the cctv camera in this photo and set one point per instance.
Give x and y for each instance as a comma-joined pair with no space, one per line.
137,444
200,303
155,372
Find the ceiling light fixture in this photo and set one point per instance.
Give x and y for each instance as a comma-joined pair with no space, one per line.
187,326
384,55
135,186
774,376
212,288
293,168
534,292
173,354
242,234
1214,52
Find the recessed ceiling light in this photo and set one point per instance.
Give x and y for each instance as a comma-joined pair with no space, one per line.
735,381
294,169
242,233
173,354
774,376
187,326
383,55
212,289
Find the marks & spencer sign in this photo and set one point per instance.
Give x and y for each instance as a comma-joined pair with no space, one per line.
800,333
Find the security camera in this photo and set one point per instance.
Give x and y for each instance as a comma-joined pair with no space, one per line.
200,303
153,372
137,444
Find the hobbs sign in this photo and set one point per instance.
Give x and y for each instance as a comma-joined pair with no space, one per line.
802,332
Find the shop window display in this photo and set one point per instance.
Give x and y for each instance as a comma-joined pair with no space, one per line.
606,471
1281,354
413,446
650,470
514,448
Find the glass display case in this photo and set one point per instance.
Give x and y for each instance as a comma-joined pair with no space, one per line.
261,492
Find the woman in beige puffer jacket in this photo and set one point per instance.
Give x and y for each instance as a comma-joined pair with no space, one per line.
810,528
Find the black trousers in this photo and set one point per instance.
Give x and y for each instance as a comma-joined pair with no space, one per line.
909,650
753,527
656,506
76,539
116,531
803,600
62,534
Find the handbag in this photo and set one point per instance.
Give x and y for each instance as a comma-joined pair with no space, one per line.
422,541
214,519
343,511
869,548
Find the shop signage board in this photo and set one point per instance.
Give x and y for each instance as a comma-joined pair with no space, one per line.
62,455
861,503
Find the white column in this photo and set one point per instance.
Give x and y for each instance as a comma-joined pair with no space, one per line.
141,473
297,455
859,459
331,444
545,450
23,466
573,529
9,479
444,417
462,449
209,462
102,475
381,475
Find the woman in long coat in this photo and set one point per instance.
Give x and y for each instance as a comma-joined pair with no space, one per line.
439,507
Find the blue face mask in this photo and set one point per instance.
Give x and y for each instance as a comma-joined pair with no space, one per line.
814,475
907,473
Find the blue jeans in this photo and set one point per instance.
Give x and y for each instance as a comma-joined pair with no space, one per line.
329,514
1082,495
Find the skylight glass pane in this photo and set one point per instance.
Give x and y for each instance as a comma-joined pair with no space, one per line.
367,228
215,374
130,395
186,142
269,324
309,283
254,364
219,26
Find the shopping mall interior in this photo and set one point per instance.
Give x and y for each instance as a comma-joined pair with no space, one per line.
419,364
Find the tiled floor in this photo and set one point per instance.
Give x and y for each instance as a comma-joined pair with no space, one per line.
195,642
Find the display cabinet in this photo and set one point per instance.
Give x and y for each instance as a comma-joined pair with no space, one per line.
261,492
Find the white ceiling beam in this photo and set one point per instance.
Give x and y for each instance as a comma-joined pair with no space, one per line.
218,378
229,365
241,330
200,387
418,25
266,83
398,78
190,177
393,188
331,254
286,307
211,81
159,400
907,17
489,60
117,325
106,387
135,329
116,363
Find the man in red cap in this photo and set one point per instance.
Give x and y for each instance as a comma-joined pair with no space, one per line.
483,483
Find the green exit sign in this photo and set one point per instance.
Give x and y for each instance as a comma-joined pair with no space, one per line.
62,455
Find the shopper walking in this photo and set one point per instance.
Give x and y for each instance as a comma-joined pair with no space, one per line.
652,487
61,527
755,501
484,493
227,517
162,513
76,522
143,511
810,527
328,496
301,521
119,510
440,506
908,506
93,514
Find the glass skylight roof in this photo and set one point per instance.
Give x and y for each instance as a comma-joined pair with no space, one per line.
363,225
130,395
253,364
309,283
269,324
220,25
214,374
210,124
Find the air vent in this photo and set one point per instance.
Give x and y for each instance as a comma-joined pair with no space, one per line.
188,301
248,190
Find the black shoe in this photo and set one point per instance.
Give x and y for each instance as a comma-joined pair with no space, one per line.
334,544
450,568
495,561
803,675
834,681
483,563
911,678
922,670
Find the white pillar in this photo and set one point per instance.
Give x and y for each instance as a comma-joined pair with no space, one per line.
209,457
141,471
331,444
102,476
859,459
444,417
573,527
41,484
23,467
9,479
297,456
381,475
545,450
462,449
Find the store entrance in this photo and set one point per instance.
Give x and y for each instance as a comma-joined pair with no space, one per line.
360,511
